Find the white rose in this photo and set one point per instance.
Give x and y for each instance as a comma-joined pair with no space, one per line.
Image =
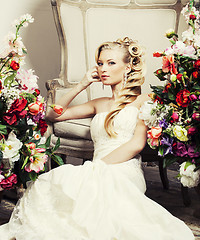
12,146
188,177
145,113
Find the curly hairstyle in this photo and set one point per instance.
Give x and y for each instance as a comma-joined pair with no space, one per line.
133,54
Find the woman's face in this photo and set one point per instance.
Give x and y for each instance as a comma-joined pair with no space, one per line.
111,67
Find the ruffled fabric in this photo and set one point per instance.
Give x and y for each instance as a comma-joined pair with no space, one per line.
94,201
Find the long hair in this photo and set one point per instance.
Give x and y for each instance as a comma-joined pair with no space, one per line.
133,54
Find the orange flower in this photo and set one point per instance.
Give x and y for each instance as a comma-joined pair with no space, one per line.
168,64
157,54
35,108
57,108
154,133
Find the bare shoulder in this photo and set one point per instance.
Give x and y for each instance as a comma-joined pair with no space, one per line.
101,104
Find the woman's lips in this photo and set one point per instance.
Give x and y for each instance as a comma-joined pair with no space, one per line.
104,76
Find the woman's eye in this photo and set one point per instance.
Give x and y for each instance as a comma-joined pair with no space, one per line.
99,64
111,63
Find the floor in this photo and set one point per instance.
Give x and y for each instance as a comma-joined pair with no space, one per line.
170,199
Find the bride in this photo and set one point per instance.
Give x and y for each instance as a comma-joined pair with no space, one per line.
103,199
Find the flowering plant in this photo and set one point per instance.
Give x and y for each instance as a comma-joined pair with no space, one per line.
24,150
173,113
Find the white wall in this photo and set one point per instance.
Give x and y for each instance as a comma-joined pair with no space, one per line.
40,38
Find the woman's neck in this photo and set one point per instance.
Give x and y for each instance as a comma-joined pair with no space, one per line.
115,90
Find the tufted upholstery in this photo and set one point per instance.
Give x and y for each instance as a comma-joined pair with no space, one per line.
82,25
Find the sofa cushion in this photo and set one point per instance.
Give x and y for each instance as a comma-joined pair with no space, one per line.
73,144
77,128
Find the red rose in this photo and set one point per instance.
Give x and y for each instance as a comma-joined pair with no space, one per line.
14,65
37,91
8,183
182,98
197,64
192,16
179,76
18,105
16,111
157,54
42,126
195,74
11,119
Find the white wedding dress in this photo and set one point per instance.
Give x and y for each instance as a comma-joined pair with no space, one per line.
94,201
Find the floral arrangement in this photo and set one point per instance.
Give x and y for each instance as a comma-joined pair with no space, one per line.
173,113
24,150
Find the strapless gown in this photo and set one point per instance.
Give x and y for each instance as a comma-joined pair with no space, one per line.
94,201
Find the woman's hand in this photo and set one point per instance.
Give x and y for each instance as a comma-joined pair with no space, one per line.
90,77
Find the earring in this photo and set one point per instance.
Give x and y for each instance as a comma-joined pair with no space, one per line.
125,79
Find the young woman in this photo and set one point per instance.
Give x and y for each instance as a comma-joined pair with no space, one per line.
103,199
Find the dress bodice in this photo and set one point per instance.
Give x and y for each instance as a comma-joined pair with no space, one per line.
124,125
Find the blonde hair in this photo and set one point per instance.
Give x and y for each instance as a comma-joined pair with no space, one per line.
133,54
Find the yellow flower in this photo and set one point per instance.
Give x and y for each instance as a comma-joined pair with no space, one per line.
180,133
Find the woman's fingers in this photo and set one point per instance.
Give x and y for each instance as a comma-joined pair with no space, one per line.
93,75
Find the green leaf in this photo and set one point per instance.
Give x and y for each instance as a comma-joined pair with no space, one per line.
3,129
57,159
196,87
171,95
187,165
10,78
41,146
172,41
168,160
57,145
33,175
25,162
48,141
161,150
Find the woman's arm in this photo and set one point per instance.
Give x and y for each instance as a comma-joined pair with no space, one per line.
131,148
79,111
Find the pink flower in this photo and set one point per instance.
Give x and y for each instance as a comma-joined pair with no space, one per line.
193,97
192,153
38,164
196,116
180,149
168,64
175,117
8,183
192,130
40,150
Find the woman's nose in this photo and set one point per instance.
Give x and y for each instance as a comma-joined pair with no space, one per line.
103,68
